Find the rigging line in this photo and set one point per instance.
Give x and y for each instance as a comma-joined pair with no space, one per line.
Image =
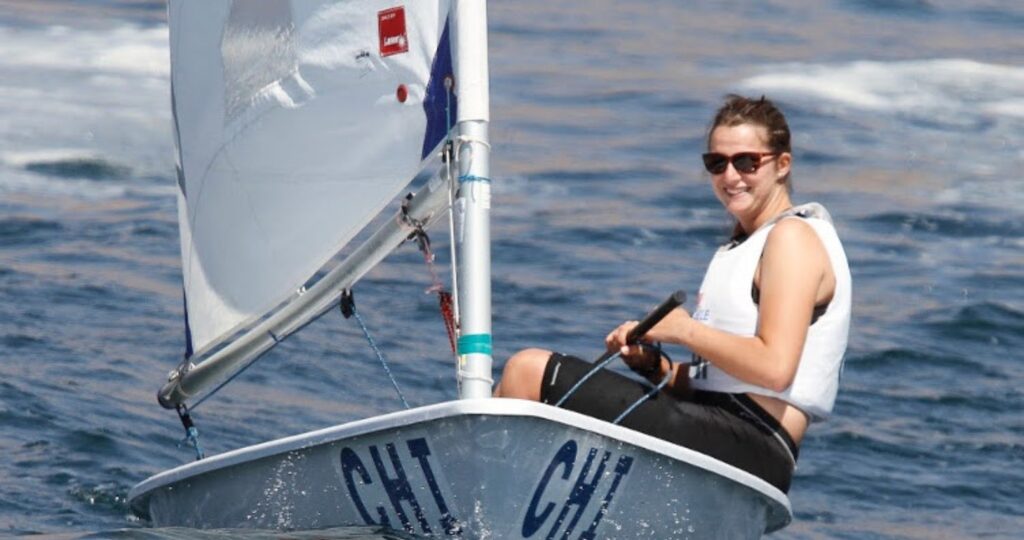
348,308
473,178
444,298
601,362
651,393
450,156
466,139
191,433
451,235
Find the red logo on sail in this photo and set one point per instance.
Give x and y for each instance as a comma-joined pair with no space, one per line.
391,27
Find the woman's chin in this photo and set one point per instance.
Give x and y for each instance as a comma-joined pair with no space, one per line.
738,205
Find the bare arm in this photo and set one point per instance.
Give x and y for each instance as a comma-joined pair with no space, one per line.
794,276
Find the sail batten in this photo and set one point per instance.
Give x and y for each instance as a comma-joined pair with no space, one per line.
296,123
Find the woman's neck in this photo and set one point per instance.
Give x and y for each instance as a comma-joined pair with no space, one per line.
775,207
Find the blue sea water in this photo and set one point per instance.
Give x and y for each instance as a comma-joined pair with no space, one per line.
908,117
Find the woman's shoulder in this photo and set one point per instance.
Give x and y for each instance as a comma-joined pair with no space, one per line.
793,231
795,242
808,224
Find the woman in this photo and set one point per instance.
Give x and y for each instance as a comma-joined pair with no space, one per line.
768,332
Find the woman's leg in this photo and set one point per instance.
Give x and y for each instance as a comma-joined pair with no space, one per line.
707,422
522,375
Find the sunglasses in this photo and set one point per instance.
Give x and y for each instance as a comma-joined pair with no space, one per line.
743,162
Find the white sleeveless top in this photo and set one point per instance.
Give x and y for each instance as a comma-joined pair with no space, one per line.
725,302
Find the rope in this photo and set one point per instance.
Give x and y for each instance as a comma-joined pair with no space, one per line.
444,298
466,139
191,433
450,305
473,178
600,364
605,359
648,395
348,308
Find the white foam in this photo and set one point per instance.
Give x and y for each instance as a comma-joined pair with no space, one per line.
1007,107
957,122
26,182
84,94
126,50
951,88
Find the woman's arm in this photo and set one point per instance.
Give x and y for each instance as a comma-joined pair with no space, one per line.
794,275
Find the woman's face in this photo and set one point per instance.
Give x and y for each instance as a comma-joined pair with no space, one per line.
751,197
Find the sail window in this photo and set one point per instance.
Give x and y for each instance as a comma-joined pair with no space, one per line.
258,50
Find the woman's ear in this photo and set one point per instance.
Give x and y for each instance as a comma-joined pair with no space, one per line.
784,161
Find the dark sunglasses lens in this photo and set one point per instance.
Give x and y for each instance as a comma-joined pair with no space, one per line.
746,163
715,163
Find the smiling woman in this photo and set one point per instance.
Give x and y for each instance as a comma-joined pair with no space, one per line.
768,334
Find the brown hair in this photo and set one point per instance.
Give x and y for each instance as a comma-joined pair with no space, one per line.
739,110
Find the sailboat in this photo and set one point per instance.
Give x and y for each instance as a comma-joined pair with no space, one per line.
297,123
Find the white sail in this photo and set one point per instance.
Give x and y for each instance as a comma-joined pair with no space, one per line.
296,123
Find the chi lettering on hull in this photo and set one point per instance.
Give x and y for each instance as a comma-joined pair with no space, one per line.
382,481
574,493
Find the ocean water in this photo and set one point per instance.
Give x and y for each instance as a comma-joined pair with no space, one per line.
908,117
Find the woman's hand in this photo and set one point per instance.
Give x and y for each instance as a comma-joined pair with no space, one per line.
639,358
671,329
646,359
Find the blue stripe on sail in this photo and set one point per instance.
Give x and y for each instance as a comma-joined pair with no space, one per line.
437,99
188,329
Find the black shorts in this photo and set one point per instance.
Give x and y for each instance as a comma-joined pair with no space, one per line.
729,427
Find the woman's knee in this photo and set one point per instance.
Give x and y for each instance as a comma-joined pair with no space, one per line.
523,373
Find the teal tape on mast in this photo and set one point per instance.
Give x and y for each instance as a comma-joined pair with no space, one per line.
475,343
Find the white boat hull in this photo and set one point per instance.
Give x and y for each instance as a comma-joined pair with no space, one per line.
491,468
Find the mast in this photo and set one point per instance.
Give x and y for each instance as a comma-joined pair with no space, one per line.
471,81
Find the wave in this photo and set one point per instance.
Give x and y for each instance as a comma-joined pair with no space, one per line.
127,50
18,230
948,91
984,322
83,105
910,360
80,187
69,163
951,222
